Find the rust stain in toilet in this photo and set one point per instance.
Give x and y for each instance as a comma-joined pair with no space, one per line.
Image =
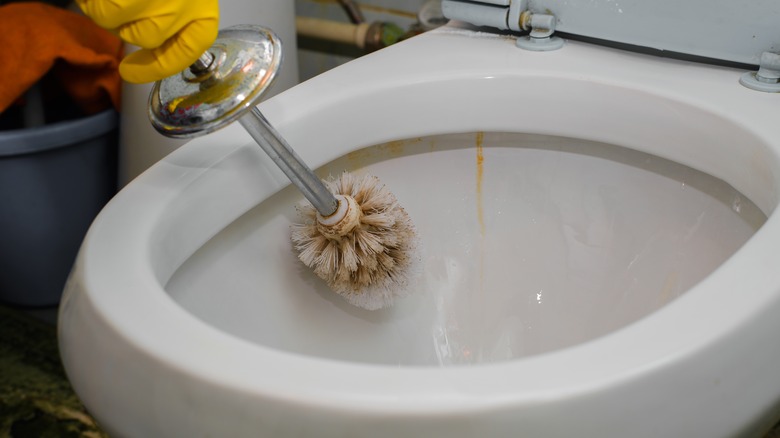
480,177
432,146
359,158
394,149
669,290
479,304
364,157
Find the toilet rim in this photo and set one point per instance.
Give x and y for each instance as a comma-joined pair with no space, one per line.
654,344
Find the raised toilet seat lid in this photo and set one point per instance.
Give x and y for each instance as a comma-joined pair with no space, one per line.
707,29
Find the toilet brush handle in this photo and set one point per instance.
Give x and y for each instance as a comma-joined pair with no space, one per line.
288,161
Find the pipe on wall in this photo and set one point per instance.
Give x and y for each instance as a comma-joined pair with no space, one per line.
334,31
366,36
353,11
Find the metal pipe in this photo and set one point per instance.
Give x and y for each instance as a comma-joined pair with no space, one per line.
336,31
353,11
366,36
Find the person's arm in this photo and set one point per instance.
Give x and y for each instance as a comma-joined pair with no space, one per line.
172,34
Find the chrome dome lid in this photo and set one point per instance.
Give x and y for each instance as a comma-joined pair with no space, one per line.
239,68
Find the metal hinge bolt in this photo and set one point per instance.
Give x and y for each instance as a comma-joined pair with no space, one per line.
767,78
540,38
510,15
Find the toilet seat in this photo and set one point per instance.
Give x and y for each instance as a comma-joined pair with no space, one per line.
461,81
706,29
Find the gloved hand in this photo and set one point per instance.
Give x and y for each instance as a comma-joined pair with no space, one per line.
172,34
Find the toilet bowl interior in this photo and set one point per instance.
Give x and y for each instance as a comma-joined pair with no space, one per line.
547,211
531,243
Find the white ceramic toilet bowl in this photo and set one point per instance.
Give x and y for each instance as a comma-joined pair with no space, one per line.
149,363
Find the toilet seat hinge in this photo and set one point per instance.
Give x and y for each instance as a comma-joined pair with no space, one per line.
512,15
767,78
540,38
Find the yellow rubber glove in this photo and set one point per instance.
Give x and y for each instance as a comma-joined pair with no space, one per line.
172,34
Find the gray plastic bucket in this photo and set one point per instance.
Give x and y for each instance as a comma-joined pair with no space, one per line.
53,181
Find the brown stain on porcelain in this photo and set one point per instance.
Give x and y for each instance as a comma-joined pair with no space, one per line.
480,299
394,149
480,178
366,156
670,289
359,158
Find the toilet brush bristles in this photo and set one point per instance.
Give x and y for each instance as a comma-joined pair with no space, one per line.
371,264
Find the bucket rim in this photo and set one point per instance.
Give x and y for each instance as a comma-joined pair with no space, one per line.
56,135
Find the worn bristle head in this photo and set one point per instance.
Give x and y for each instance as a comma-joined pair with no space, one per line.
371,265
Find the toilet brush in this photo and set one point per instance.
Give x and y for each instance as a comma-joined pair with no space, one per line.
355,235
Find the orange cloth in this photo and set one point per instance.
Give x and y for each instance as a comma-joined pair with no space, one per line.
36,38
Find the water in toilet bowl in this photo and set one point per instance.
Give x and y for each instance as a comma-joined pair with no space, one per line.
531,244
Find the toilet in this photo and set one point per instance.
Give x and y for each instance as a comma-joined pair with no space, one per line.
598,230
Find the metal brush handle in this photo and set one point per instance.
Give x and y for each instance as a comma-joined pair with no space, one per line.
241,64
288,161
279,151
